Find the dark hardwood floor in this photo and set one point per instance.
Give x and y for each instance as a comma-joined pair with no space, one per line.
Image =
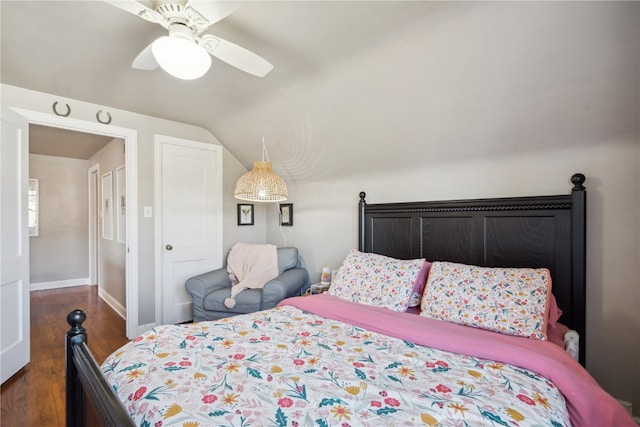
35,395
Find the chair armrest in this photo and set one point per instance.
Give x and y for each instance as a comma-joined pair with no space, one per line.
284,286
203,284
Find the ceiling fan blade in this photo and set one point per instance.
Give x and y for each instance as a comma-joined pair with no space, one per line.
140,10
236,56
145,60
214,11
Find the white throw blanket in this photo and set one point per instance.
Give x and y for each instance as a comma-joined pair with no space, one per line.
250,266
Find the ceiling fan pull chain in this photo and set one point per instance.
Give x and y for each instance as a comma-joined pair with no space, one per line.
104,122
60,114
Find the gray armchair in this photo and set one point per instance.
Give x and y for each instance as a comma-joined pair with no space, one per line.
209,290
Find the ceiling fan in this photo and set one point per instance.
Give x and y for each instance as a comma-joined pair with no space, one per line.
185,52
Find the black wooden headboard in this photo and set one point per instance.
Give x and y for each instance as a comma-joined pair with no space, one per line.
536,232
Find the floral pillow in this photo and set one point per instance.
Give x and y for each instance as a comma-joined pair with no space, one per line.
512,301
376,280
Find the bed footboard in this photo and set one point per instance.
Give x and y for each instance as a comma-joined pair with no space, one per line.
83,375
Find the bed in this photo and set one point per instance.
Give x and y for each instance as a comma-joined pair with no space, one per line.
358,356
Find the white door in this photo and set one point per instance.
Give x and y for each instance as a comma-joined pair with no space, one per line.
190,215
14,270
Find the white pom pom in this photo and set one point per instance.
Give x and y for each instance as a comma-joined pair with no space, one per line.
229,303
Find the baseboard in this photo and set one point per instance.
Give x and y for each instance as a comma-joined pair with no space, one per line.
111,302
41,286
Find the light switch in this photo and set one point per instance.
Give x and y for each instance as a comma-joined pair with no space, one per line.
148,213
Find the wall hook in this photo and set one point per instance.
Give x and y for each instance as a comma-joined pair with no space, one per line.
60,114
104,122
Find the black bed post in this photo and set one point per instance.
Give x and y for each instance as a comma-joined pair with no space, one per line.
579,254
361,222
75,395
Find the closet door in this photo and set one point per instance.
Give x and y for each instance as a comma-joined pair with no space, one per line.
190,219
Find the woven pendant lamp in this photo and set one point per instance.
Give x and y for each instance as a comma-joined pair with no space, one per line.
261,184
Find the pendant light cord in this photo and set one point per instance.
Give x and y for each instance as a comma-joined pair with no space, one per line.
264,151
284,237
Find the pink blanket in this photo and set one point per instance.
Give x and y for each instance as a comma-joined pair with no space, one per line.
250,266
581,391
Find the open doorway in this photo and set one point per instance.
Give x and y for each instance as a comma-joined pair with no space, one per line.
82,206
129,136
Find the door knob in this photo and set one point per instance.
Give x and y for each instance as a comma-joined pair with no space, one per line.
169,247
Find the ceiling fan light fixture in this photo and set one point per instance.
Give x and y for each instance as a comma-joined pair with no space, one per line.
181,57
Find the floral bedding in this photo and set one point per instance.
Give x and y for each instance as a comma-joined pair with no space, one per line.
288,367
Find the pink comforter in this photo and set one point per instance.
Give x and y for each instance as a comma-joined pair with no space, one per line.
581,391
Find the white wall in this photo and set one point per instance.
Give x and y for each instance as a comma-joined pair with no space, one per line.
146,128
112,253
59,252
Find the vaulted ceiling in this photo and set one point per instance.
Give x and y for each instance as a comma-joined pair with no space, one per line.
356,85
84,49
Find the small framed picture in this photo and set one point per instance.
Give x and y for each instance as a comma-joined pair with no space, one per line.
245,214
286,214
